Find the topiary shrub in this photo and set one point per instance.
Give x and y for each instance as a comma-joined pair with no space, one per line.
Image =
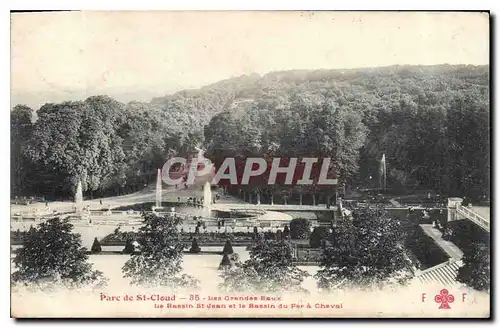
228,248
96,246
279,235
255,233
194,247
286,232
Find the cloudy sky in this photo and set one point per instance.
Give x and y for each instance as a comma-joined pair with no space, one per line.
139,55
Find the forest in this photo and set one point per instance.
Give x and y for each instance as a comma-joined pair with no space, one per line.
431,122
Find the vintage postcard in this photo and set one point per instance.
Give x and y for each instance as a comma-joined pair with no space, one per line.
203,164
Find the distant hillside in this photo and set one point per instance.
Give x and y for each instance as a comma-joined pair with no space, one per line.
201,104
430,121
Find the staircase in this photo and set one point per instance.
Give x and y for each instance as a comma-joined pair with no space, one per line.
456,211
465,213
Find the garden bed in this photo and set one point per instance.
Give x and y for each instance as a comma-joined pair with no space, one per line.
104,252
148,206
119,238
425,249
309,255
465,232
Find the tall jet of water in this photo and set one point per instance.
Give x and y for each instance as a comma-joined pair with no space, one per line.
383,173
207,194
207,199
79,197
158,189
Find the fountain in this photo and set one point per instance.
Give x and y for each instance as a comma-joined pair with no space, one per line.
207,199
79,198
383,177
207,189
158,189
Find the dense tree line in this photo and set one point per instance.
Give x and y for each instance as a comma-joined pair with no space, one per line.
431,122
110,146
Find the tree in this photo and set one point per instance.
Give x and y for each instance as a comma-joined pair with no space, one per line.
431,135
129,247
52,254
159,262
476,272
279,235
225,263
317,237
366,250
269,269
20,132
299,228
194,247
228,248
96,246
77,141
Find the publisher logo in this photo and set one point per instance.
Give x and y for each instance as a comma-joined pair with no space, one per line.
250,171
445,299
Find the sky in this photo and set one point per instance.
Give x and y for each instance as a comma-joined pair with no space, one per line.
140,55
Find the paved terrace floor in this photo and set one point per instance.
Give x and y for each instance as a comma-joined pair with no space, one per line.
484,211
169,194
276,207
451,249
